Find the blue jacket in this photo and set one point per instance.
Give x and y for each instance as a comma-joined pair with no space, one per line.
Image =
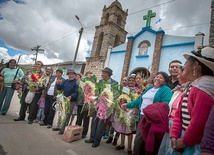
163,94
69,88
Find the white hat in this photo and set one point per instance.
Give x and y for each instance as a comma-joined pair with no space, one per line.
205,56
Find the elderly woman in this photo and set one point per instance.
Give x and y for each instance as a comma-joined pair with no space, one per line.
159,92
190,118
11,74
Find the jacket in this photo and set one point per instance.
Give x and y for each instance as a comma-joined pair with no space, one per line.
163,94
51,80
154,124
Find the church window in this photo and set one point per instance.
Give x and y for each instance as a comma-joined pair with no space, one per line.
106,17
143,47
99,44
119,20
117,40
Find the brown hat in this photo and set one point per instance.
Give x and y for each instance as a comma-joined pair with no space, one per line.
59,70
70,71
107,70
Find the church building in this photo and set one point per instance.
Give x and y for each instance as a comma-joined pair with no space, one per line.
149,51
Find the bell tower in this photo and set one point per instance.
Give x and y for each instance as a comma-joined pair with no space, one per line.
110,32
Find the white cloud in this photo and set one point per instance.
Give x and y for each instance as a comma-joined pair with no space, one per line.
52,24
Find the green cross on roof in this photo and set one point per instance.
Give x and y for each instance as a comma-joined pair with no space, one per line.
148,17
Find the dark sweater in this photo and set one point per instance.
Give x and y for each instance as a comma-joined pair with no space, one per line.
69,88
207,144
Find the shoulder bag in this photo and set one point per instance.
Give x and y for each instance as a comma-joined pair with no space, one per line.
15,86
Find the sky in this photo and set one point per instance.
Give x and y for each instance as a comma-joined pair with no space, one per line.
24,24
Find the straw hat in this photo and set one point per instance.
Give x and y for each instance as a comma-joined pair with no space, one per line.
205,56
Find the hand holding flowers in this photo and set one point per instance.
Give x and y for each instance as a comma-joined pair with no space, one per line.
34,81
105,105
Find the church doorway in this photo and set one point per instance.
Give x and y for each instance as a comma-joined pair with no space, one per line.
144,71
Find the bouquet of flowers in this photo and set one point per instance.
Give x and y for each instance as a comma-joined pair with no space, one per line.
34,81
125,116
89,93
62,107
144,83
105,106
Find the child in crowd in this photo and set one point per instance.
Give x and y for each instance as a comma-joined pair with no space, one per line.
40,114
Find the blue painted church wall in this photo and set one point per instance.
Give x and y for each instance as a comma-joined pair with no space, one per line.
142,61
173,47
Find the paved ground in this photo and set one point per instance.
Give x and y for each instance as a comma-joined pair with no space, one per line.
20,138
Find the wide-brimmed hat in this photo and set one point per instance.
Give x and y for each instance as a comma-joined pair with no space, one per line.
205,56
59,70
70,71
107,70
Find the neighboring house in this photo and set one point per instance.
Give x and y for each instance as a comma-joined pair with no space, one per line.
79,67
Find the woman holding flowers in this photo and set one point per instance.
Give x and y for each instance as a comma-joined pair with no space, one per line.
9,74
159,92
120,121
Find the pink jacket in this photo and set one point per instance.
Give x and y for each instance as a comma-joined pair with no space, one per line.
199,106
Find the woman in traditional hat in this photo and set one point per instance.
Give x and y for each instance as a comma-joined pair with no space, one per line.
190,118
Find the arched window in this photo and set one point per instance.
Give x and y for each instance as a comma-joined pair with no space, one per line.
143,47
99,43
106,17
119,20
117,41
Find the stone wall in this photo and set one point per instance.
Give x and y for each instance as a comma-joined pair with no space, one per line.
127,57
211,37
95,65
157,54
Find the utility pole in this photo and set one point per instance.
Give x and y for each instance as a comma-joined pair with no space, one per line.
17,64
37,49
78,43
2,61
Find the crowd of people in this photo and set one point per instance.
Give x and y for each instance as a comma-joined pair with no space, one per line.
174,113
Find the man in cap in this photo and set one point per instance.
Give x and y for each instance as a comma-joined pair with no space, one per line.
69,88
97,125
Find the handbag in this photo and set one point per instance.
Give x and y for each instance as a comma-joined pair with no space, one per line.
15,86
29,97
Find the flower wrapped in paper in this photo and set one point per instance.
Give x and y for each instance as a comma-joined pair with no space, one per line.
89,94
125,116
34,81
144,83
105,106
62,107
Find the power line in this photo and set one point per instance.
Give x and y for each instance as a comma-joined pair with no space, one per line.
69,35
97,24
180,27
187,26
152,7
